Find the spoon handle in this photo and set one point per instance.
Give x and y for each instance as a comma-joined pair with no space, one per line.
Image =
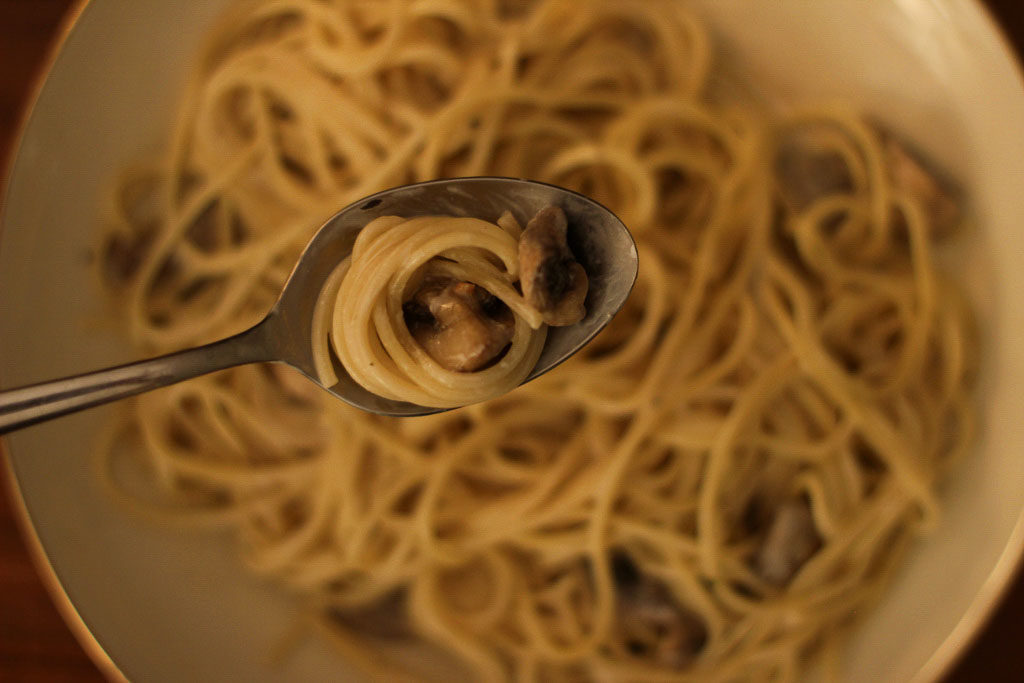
31,404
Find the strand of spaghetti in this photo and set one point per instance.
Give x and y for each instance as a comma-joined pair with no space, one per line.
322,322
762,389
423,601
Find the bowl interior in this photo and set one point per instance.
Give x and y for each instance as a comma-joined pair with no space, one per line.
170,605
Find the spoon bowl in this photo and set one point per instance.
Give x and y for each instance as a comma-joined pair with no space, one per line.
599,241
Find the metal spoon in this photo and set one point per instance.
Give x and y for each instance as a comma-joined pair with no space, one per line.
599,240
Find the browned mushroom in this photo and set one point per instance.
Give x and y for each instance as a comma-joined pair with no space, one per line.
384,618
808,167
461,326
791,540
553,281
911,174
650,622
123,255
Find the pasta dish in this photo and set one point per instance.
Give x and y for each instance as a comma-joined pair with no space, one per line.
714,489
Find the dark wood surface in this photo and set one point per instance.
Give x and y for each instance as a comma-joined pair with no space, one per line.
36,645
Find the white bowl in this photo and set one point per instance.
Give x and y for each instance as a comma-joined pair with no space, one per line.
168,606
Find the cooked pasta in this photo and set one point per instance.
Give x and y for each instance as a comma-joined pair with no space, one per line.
713,490
407,311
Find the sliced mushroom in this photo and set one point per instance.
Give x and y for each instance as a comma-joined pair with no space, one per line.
791,540
385,618
651,624
123,255
553,281
910,173
808,167
461,326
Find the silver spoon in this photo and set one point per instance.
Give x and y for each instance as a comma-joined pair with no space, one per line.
599,240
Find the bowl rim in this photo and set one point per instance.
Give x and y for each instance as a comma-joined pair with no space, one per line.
23,520
980,611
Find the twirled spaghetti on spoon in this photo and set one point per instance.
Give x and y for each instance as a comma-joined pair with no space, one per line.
445,311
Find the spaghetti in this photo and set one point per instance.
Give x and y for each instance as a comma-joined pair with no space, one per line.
426,310
712,490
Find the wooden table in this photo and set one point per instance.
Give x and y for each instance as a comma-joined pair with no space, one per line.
35,645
